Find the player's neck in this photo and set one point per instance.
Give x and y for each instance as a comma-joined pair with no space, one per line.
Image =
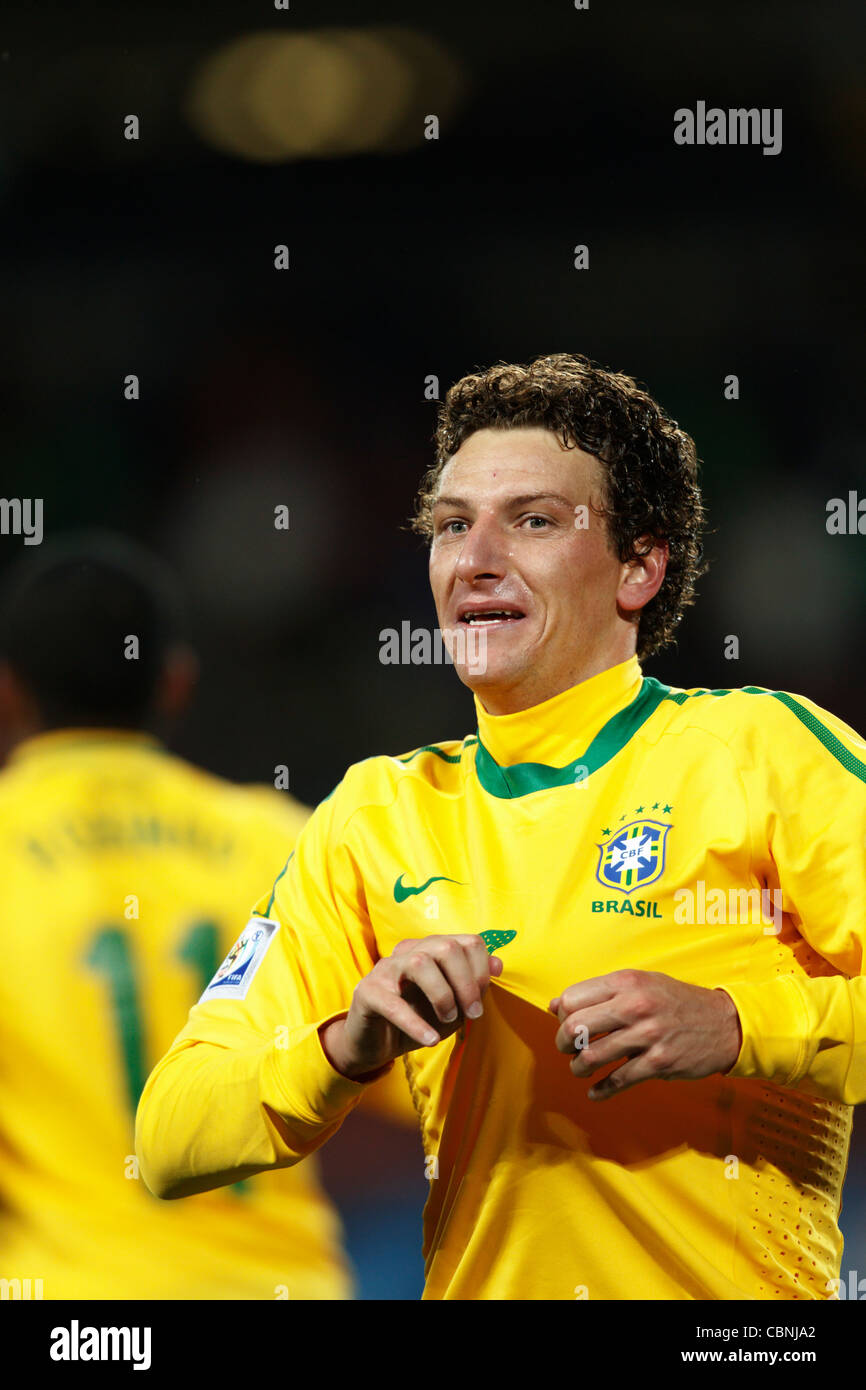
554,730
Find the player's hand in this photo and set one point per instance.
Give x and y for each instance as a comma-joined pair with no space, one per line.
663,1028
415,997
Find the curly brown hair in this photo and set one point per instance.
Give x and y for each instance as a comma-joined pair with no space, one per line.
650,464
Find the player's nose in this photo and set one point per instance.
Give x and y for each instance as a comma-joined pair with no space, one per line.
484,552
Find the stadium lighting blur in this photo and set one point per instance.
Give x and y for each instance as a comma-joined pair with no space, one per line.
272,96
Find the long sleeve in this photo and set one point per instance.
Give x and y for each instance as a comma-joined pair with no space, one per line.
246,1085
806,787
212,1114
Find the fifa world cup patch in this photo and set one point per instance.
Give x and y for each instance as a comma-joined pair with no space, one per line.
235,975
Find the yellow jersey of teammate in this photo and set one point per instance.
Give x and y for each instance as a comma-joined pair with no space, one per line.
123,871
716,836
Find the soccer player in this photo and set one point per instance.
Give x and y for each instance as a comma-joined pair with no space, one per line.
124,872
646,1091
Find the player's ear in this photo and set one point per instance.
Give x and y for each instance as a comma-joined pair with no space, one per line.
177,682
642,576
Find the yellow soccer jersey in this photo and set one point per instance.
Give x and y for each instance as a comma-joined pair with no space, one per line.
715,836
123,874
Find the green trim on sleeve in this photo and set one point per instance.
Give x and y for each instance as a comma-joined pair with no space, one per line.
834,745
267,911
825,736
440,752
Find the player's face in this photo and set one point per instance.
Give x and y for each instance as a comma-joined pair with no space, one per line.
510,537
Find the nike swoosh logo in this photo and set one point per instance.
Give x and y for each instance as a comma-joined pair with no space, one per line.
401,892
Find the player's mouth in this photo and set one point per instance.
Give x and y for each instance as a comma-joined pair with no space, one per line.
488,616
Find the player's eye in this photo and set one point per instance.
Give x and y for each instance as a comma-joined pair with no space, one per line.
534,516
445,527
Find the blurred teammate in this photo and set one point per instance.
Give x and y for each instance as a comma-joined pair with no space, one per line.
123,872
618,843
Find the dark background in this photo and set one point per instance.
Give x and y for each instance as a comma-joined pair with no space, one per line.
408,259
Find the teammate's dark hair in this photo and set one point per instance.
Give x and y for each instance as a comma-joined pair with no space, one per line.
66,617
650,464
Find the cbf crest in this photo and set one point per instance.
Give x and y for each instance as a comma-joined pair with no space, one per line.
634,856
